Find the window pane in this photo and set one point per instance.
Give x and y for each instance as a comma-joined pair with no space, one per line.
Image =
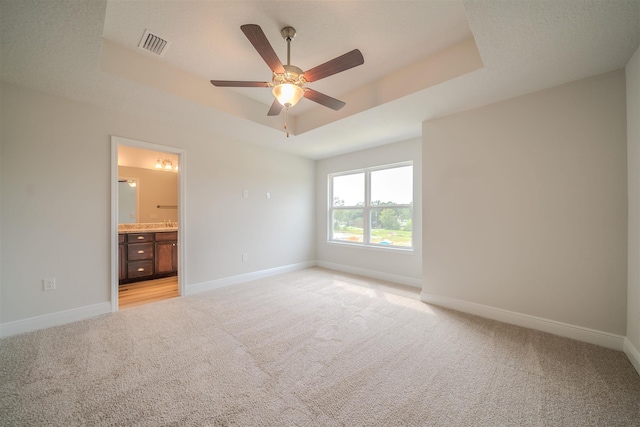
392,186
348,190
347,225
391,226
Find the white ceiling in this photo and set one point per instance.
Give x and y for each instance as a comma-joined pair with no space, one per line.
57,46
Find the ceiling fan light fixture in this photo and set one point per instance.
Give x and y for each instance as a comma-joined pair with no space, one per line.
288,82
288,94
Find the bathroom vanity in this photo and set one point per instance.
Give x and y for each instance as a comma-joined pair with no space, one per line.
147,253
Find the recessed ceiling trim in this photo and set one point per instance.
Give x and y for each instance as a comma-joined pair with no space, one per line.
153,43
440,67
120,61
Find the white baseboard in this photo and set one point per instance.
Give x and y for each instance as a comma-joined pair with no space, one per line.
633,354
242,278
54,319
402,280
578,333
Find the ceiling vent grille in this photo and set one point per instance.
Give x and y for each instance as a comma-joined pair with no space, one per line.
153,43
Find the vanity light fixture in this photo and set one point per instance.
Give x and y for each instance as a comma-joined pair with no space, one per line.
132,183
165,164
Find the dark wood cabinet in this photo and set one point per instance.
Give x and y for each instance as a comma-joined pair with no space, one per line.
166,253
141,270
122,257
145,256
140,237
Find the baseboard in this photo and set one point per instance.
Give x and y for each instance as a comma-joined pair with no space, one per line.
54,319
402,280
633,354
242,278
578,333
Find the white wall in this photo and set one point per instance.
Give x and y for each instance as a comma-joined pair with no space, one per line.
401,267
525,205
633,152
55,206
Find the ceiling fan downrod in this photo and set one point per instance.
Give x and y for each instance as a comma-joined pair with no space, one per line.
288,33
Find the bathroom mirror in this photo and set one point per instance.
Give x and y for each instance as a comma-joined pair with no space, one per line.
127,200
156,195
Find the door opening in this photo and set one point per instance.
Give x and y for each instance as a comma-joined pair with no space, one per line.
147,225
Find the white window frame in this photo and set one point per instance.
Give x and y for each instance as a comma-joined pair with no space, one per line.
367,208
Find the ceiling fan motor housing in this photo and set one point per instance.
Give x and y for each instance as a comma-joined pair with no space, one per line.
292,75
288,33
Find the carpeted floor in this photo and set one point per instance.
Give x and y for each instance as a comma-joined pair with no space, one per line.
309,348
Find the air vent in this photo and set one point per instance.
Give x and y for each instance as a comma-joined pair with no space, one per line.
153,43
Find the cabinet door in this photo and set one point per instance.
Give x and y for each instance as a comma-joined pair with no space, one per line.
122,262
166,257
174,256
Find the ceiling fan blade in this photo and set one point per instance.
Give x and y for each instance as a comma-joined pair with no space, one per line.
275,109
231,83
336,65
322,99
260,42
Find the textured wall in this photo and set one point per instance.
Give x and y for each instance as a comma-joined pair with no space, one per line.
55,202
633,147
525,204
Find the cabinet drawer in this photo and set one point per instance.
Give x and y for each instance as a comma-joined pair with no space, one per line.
168,235
139,269
139,251
139,238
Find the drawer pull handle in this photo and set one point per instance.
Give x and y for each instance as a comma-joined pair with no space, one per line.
140,252
140,237
141,269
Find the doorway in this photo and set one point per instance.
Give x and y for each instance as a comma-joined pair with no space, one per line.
147,203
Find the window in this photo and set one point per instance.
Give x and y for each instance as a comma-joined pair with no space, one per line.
372,206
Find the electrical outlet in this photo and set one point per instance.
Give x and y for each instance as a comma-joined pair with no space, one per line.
245,193
49,283
245,257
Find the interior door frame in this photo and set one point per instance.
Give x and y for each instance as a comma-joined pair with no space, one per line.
182,240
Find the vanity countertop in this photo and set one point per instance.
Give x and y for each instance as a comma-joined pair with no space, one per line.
146,228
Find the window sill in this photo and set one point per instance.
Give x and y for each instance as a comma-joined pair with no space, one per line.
379,248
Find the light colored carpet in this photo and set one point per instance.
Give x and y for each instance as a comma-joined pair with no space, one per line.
309,348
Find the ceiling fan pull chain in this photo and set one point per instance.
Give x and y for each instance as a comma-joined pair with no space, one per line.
285,121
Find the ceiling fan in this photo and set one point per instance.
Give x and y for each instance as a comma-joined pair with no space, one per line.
289,81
